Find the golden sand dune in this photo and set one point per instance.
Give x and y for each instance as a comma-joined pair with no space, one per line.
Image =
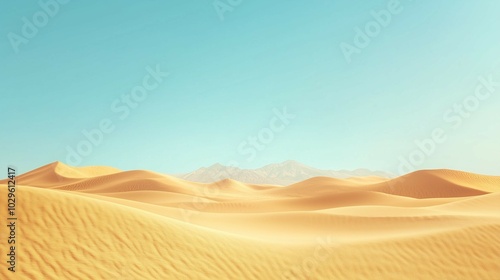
439,183
101,223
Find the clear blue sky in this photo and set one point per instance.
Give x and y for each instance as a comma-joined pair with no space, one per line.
229,71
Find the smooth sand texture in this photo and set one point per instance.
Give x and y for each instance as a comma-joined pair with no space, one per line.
101,223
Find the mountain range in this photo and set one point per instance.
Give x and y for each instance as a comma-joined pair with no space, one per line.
284,173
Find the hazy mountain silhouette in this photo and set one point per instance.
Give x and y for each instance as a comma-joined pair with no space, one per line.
284,173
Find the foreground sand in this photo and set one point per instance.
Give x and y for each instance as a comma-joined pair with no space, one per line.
100,223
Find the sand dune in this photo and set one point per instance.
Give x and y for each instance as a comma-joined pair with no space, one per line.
439,183
102,223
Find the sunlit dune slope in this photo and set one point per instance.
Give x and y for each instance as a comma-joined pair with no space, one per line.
439,183
68,236
58,173
102,223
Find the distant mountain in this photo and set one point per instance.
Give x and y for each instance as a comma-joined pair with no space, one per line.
285,173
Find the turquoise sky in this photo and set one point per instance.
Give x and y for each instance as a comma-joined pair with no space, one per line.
231,67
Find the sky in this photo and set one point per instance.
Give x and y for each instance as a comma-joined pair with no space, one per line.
171,86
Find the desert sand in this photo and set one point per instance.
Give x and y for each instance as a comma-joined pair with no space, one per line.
103,223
